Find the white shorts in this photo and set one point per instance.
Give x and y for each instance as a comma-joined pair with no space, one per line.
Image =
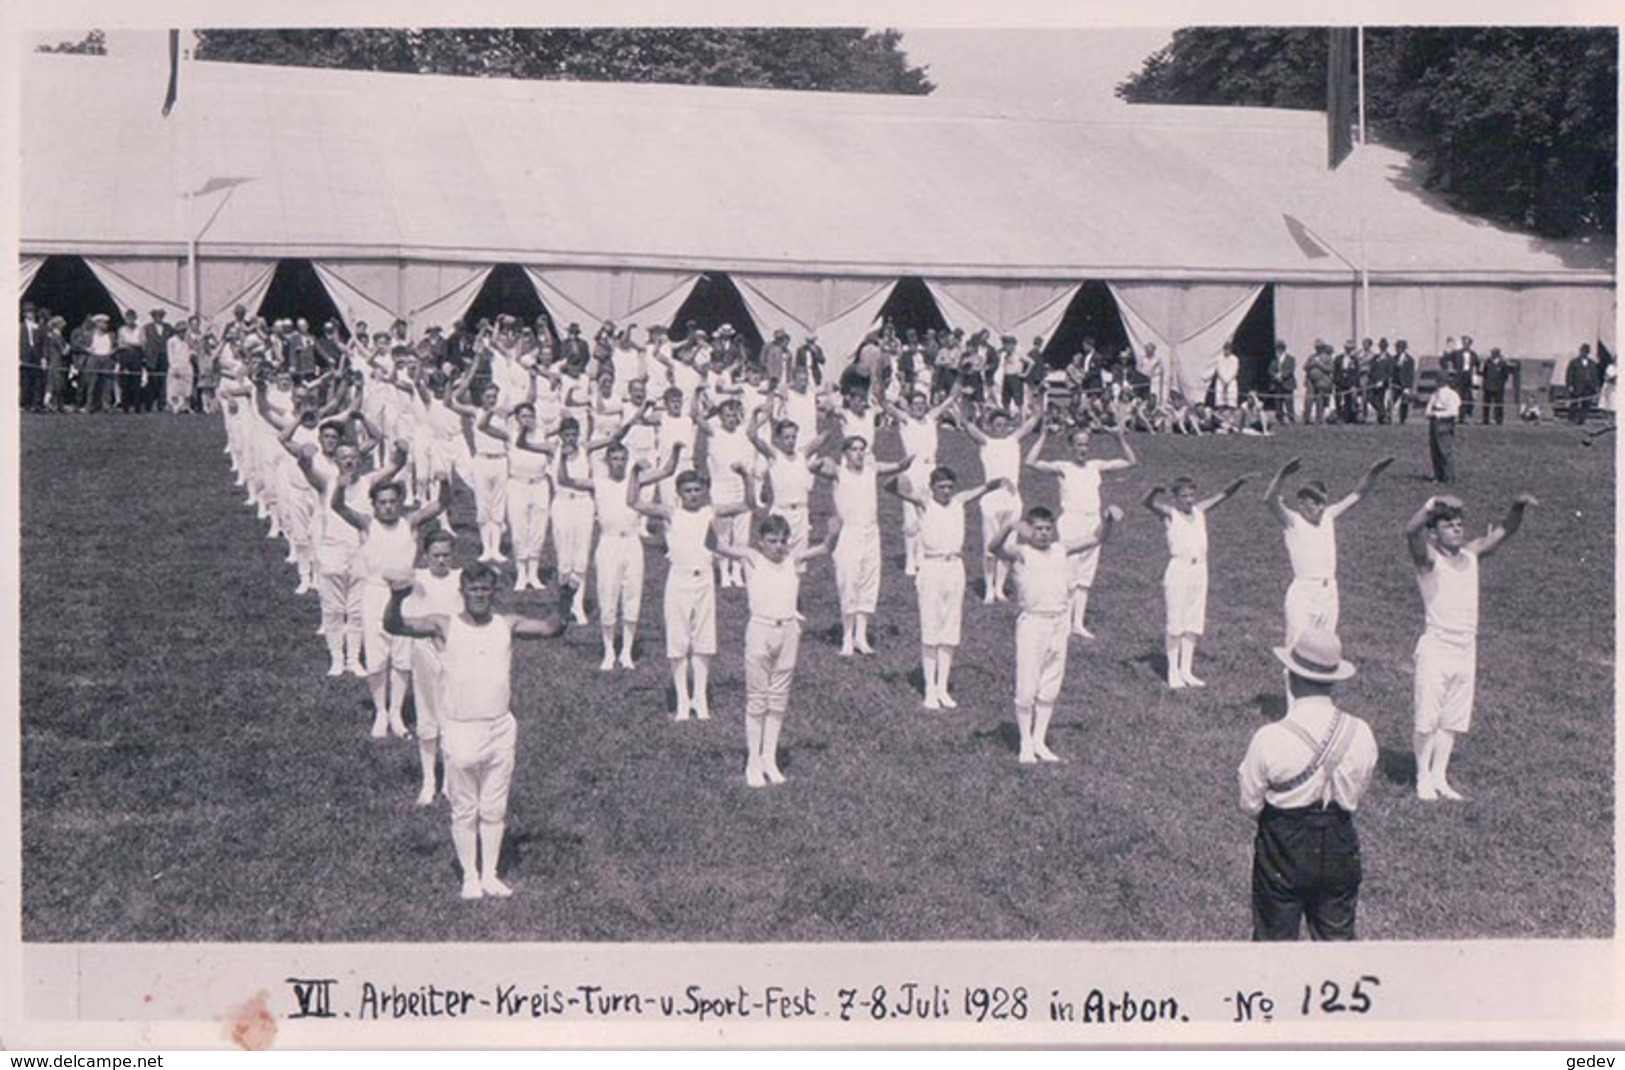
999,507
1040,656
572,533
1184,594
770,663
857,569
1310,604
940,586
490,488
479,767
619,565
379,649
1084,563
1446,667
691,613
428,683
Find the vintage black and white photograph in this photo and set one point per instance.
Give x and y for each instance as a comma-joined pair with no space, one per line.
812,485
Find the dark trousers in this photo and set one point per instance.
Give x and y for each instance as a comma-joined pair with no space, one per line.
157,386
1580,409
1400,402
1306,868
1494,406
100,376
33,387
1442,447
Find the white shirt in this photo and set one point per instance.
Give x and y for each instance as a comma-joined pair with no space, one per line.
942,529
1313,547
772,588
1277,754
1187,534
615,517
388,548
1450,593
855,500
1080,486
432,595
801,409
861,424
1042,578
727,448
790,478
1445,403
672,430
919,442
1001,459
685,539
478,663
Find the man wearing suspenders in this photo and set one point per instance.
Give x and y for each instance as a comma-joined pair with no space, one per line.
1302,778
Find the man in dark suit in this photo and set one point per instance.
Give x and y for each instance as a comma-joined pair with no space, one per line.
1583,380
31,354
1469,364
1404,380
1379,380
1496,372
1346,384
1284,383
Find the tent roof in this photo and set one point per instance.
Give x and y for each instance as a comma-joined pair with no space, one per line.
363,165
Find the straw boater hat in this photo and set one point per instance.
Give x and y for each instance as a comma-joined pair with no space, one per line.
726,328
1317,655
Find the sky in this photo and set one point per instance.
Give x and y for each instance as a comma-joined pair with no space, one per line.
1040,69
1062,70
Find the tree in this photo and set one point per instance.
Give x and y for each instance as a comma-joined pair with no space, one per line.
93,43
833,59
1514,124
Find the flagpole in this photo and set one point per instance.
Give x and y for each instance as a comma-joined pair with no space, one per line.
1365,274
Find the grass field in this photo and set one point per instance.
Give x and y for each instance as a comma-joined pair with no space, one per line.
190,775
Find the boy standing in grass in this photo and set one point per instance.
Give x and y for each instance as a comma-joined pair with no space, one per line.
1447,654
691,600
940,574
1311,543
1000,447
1080,477
1184,584
772,638
435,592
478,732
389,546
1041,567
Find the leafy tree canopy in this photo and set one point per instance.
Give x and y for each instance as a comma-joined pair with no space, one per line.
833,59
1514,124
93,43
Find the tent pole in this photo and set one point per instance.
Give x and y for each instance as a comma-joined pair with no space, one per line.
1359,52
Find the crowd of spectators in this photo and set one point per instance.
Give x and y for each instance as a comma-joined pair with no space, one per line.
160,367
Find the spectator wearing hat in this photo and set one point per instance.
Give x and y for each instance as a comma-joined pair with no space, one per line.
1584,381
181,380
1446,563
58,358
776,356
1283,375
1303,778
1444,410
127,359
1317,375
155,362
810,356
1310,530
101,365
1494,375
574,349
1379,382
1403,384
1346,377
31,355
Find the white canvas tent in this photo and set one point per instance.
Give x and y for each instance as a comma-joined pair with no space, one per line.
404,191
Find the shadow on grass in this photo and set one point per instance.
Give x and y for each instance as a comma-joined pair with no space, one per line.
1005,733
1397,766
1271,705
